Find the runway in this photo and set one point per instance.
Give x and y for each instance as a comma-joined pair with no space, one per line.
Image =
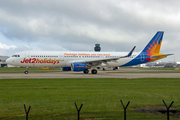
100,74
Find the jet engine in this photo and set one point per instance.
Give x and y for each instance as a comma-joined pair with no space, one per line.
78,66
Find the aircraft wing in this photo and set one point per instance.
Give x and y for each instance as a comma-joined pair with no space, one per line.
105,60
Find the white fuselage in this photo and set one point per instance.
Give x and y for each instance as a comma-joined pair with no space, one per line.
65,59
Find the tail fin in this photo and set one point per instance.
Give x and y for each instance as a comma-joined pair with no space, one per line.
155,44
150,52
153,48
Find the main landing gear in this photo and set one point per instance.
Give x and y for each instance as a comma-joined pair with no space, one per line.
86,71
115,68
26,72
93,71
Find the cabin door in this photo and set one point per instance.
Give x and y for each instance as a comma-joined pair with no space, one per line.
27,55
61,56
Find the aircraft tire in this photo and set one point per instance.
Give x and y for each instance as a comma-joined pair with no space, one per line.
94,71
86,71
26,72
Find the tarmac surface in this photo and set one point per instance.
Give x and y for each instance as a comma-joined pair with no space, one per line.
100,74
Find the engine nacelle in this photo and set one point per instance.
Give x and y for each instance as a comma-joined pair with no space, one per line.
78,66
66,68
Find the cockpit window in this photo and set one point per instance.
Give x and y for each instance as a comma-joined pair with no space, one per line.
16,56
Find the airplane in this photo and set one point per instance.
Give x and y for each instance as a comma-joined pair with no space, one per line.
83,61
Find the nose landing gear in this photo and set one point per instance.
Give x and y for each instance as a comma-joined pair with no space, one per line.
26,72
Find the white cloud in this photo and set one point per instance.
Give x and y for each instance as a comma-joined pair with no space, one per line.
6,47
8,50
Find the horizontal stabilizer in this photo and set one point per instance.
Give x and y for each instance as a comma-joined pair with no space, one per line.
157,56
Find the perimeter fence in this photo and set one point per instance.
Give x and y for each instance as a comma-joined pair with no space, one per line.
9,107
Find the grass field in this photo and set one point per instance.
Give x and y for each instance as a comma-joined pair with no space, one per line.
54,98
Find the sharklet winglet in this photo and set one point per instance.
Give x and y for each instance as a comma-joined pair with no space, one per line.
130,53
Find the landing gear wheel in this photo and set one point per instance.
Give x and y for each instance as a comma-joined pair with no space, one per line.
26,72
104,69
86,71
115,68
94,71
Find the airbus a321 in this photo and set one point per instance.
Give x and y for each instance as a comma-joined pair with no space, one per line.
83,61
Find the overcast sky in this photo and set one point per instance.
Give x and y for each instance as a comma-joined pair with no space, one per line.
76,25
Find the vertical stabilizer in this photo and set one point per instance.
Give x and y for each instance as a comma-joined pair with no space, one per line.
153,47
150,52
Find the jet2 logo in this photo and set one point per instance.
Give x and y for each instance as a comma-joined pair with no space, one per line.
36,60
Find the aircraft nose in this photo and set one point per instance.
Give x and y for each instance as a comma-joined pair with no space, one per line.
8,61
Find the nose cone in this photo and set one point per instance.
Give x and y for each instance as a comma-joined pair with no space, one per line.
9,61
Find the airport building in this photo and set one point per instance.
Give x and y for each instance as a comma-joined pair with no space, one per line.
3,61
160,64
97,48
